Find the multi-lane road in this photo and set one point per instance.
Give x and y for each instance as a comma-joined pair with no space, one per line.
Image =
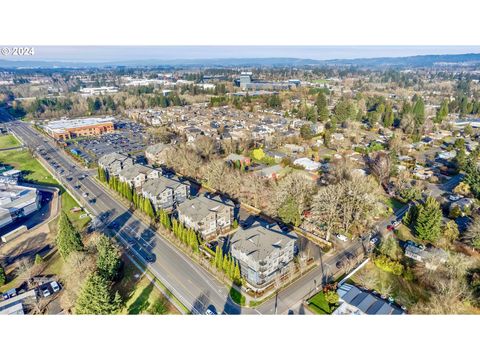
194,286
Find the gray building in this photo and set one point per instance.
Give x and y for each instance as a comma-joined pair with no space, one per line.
164,192
137,174
208,216
115,162
262,252
156,154
17,202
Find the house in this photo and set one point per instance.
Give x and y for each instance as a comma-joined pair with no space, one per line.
446,155
294,149
355,301
432,257
270,172
307,164
156,154
463,204
137,174
276,155
206,215
263,252
234,158
115,162
165,192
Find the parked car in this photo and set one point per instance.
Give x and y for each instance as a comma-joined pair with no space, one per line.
374,240
342,237
455,197
211,310
395,224
85,194
46,292
55,286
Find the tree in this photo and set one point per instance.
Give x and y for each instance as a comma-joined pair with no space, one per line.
472,235
258,154
306,132
331,296
289,212
3,276
68,238
322,107
419,111
388,116
148,208
442,112
429,220
450,231
108,258
38,259
390,248
380,166
96,297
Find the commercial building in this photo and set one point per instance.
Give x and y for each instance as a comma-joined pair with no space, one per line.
263,252
17,202
66,129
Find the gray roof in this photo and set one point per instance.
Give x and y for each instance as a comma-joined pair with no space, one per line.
107,159
270,170
156,148
366,301
200,207
258,241
156,186
235,157
132,171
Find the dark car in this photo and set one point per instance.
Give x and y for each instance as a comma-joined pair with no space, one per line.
211,310
339,264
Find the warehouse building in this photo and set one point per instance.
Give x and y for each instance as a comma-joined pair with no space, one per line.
17,202
66,129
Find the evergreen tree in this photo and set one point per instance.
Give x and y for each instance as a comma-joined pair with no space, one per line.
218,257
231,268
108,258
68,238
225,263
429,220
236,274
96,297
442,112
419,111
148,209
388,116
322,107
38,259
3,276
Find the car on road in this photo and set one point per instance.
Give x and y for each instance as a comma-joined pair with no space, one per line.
339,264
92,201
55,286
81,177
69,178
46,292
342,237
211,310
85,194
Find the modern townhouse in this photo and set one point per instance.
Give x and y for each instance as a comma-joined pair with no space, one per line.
137,174
263,252
115,162
208,216
165,192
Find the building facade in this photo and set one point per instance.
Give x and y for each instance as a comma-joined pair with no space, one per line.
164,193
68,129
114,162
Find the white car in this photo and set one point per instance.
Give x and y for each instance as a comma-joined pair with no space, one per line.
46,293
454,197
55,286
342,237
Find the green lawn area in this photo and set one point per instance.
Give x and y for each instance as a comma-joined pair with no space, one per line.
404,292
32,170
69,203
319,305
237,297
140,294
8,141
394,204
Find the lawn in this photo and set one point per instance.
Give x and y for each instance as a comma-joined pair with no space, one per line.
404,292
394,204
140,294
319,304
33,171
76,218
8,141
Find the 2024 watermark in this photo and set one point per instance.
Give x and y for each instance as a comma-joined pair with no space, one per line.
17,51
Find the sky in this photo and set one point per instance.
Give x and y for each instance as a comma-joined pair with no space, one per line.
126,53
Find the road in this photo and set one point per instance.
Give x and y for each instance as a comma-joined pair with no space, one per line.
195,287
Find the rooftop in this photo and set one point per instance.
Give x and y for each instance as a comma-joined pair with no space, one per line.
60,125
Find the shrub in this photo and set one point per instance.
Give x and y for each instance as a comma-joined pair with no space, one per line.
386,264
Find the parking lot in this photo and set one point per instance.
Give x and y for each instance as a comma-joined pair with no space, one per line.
129,138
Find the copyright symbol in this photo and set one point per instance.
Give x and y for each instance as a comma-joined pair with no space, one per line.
5,51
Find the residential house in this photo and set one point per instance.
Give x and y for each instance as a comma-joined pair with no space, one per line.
165,192
432,257
137,174
307,164
206,215
270,172
234,158
115,162
355,301
263,252
156,154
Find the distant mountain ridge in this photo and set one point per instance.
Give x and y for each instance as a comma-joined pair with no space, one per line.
398,62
